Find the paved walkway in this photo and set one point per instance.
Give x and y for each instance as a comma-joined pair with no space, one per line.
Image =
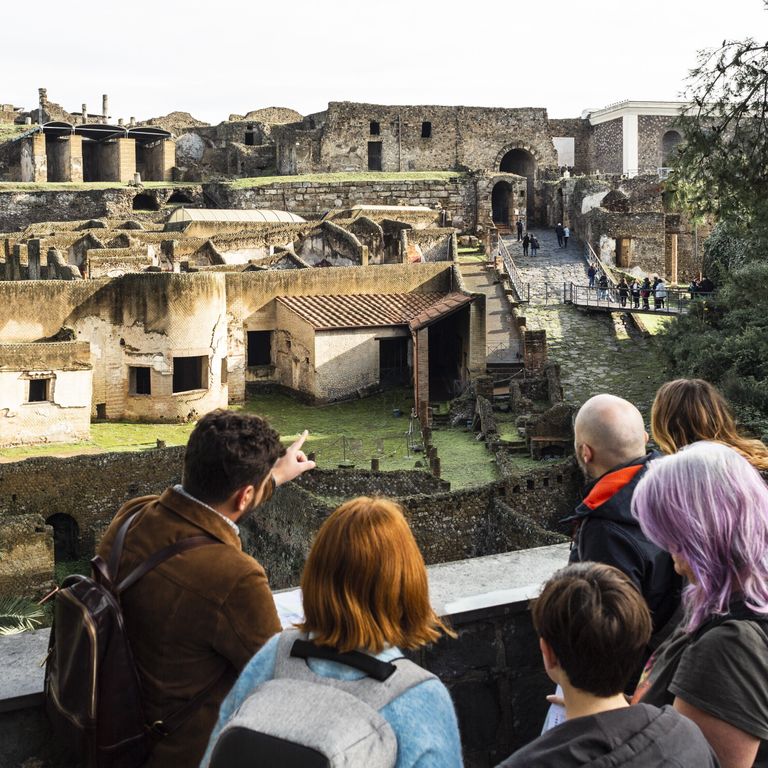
502,336
597,352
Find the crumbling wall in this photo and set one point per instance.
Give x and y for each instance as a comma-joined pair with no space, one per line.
415,138
20,209
448,525
26,556
434,244
63,370
456,196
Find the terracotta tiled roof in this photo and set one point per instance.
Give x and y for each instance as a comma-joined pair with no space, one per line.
373,310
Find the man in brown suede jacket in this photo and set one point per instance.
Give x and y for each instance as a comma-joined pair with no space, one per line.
199,617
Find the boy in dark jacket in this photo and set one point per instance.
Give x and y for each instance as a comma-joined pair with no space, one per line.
593,627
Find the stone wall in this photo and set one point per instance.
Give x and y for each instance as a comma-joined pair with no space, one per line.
651,129
644,231
20,209
448,525
26,555
414,138
88,488
457,196
607,147
361,482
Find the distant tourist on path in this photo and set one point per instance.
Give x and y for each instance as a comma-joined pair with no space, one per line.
593,628
623,292
196,620
534,245
559,231
364,591
685,411
706,286
610,442
660,293
602,294
634,289
693,288
591,272
566,235
519,226
526,242
645,293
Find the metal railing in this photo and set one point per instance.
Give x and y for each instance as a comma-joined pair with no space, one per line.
677,301
504,352
523,290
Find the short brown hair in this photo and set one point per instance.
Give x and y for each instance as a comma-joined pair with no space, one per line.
685,411
365,583
597,624
228,450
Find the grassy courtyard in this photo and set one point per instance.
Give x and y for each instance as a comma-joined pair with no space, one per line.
353,431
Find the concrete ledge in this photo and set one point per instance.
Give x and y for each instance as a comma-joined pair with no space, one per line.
492,669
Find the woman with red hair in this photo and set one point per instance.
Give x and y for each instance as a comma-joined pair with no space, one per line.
365,594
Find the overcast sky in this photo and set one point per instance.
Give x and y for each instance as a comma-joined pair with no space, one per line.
213,59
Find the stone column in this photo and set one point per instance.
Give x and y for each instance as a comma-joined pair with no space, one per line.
670,266
34,160
75,158
421,374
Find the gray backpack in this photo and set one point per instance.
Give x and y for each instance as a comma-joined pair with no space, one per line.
302,719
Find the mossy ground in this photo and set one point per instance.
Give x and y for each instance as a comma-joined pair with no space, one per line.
260,181
356,430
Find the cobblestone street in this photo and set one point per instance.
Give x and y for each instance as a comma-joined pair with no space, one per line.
597,352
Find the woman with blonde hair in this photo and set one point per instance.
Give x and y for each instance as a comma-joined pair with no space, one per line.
688,410
365,596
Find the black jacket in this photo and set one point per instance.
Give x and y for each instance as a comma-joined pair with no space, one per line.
640,736
606,532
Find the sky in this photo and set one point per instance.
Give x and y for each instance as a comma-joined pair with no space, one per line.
153,57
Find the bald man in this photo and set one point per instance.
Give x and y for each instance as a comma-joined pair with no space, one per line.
610,443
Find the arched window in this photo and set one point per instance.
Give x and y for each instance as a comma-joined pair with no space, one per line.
669,143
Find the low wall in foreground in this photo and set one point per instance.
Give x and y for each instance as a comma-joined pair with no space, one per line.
492,669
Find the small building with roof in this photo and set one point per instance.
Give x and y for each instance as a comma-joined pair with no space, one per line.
330,347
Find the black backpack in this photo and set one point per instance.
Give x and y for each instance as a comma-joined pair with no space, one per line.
92,689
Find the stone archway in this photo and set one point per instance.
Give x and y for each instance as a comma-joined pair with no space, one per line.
522,161
66,537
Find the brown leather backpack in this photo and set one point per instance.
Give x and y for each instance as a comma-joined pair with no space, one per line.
92,688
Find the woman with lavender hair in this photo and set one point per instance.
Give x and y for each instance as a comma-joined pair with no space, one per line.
708,507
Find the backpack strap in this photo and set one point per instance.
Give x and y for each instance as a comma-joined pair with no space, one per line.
107,571
375,693
164,554
371,666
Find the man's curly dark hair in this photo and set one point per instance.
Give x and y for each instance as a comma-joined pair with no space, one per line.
226,451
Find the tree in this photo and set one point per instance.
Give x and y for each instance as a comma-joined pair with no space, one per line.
725,341
722,166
